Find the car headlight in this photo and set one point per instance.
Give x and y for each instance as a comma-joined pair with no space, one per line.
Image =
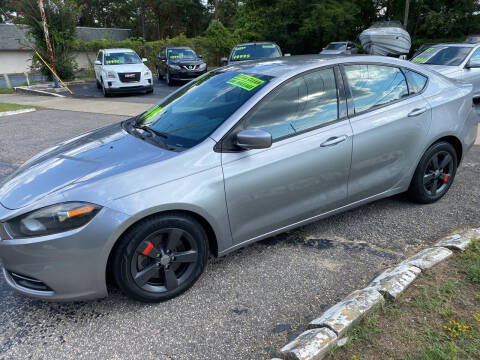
111,74
202,66
174,67
147,74
52,219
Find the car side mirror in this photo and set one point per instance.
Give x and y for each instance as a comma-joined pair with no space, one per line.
98,62
200,56
472,65
253,139
144,59
223,61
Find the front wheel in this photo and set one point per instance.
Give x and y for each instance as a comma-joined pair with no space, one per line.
168,79
434,174
160,257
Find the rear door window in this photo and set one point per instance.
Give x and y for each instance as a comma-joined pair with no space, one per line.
375,85
416,82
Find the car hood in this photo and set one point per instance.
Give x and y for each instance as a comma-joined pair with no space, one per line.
332,52
445,70
126,68
96,154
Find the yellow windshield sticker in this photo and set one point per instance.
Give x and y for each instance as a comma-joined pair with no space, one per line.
420,60
112,62
429,50
243,56
268,46
245,82
240,48
152,112
176,56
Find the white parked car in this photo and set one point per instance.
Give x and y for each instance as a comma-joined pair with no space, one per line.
122,71
456,61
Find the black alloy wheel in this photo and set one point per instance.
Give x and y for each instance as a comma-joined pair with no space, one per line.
160,257
434,174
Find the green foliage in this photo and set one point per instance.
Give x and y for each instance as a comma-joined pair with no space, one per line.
217,42
62,17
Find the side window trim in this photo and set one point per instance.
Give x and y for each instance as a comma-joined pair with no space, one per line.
341,99
350,103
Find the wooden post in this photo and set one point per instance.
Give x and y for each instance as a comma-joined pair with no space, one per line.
47,37
216,9
407,8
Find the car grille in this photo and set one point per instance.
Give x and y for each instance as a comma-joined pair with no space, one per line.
28,282
129,77
191,67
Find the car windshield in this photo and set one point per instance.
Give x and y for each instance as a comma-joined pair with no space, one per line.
191,114
254,51
121,58
179,54
335,46
443,55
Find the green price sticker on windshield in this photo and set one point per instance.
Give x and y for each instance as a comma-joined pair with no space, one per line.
152,112
245,82
268,46
419,60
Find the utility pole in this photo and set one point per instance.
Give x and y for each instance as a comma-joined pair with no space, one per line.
47,37
142,16
407,8
216,9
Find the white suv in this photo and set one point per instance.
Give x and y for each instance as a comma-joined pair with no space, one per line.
121,71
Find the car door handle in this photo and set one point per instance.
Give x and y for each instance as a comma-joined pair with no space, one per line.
334,141
416,112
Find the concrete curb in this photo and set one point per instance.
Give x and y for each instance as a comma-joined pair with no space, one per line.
325,331
29,91
16,112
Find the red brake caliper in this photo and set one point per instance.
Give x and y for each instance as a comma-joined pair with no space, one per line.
147,250
445,178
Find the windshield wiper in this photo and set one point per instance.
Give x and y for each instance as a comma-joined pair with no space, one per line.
157,135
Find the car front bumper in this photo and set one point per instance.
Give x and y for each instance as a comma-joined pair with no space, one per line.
185,75
117,86
66,266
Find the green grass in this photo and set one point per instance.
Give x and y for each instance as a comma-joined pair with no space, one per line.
11,107
5,90
437,318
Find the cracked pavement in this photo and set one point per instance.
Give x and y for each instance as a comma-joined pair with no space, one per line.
248,304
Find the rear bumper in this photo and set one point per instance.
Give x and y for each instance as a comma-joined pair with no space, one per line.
66,266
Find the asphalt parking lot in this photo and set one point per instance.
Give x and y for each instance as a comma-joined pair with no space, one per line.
89,89
247,304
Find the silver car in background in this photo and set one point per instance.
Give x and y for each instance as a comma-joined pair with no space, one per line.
235,156
340,48
456,61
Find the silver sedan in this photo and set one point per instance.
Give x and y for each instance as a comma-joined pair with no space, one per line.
237,155
455,61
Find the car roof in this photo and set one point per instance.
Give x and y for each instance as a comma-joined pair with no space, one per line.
114,50
256,43
178,47
287,66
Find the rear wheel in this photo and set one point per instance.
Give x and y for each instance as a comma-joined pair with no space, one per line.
160,257
434,174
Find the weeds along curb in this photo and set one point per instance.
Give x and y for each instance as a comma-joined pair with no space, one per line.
324,332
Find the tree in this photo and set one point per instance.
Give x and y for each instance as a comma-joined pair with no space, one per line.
62,17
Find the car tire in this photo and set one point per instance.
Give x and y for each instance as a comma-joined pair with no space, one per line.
160,77
105,92
168,80
434,174
98,84
160,257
